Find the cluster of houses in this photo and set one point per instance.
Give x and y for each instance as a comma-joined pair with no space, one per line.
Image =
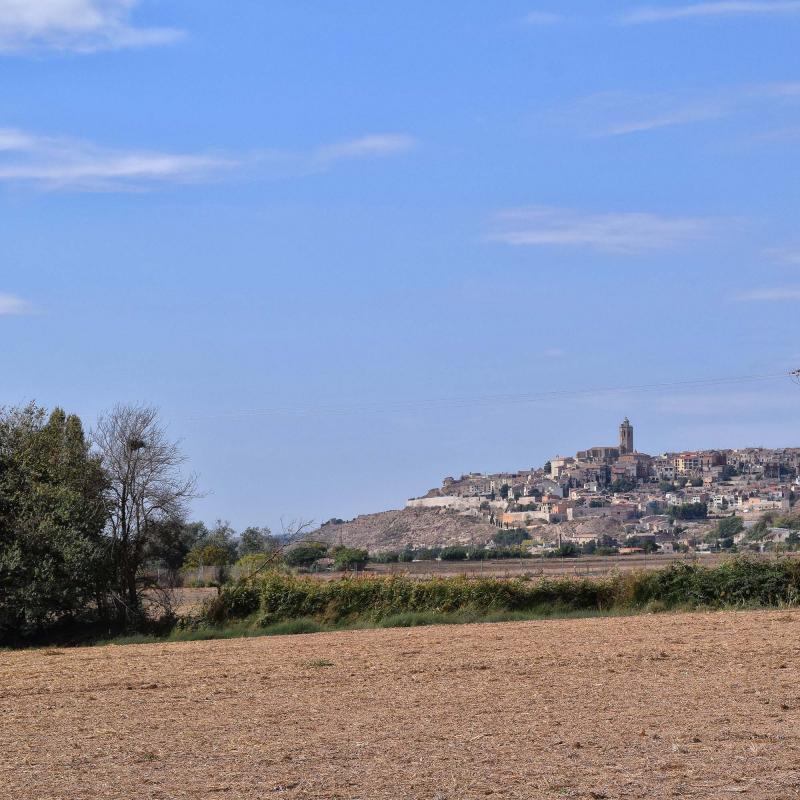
615,491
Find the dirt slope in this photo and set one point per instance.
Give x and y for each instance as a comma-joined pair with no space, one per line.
703,705
416,527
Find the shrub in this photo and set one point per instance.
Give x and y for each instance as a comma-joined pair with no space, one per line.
686,511
454,553
349,558
256,562
209,555
729,527
280,597
387,557
305,554
234,601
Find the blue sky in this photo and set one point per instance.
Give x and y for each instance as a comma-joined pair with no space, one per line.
326,238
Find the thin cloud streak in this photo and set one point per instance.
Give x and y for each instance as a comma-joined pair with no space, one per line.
60,163
678,117
10,305
625,113
52,163
784,255
81,26
726,8
372,146
626,233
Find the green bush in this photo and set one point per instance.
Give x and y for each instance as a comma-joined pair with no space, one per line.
209,555
280,597
234,601
305,554
349,558
740,582
453,553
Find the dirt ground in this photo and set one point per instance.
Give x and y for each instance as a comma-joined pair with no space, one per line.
692,705
581,566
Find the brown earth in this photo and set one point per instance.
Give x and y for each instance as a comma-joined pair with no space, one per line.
694,705
415,527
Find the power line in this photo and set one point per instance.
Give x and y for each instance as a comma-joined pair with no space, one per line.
480,401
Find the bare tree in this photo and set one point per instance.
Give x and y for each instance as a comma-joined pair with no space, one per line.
145,487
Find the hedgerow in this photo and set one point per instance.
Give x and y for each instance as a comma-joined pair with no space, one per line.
278,597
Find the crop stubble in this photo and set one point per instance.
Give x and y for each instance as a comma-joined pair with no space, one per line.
687,705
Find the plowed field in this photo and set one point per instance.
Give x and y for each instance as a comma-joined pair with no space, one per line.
691,705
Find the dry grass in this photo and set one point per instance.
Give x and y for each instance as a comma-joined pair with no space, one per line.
692,705
582,566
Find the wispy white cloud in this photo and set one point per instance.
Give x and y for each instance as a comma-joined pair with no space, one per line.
54,163
61,163
632,232
553,352
372,146
784,255
82,26
774,294
542,18
623,113
12,305
668,119
724,8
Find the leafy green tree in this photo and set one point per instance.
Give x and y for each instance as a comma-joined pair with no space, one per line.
646,544
256,540
223,536
305,554
726,543
728,527
454,553
171,541
758,531
565,550
349,558
386,557
510,537
688,511
208,555
54,558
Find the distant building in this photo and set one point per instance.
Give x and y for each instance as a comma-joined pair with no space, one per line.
625,437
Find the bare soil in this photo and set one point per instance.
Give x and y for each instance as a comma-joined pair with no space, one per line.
580,566
690,705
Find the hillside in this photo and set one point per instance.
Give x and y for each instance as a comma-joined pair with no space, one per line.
414,527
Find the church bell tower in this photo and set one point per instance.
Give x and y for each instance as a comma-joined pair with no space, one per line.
625,437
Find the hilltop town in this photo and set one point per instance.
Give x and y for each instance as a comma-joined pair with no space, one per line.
603,497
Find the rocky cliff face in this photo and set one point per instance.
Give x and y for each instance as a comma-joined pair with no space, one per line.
413,527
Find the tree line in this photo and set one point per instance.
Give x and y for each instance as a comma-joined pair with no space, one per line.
82,513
